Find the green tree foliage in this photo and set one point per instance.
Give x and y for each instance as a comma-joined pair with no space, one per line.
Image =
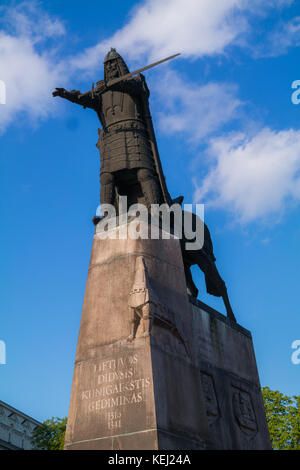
283,416
51,435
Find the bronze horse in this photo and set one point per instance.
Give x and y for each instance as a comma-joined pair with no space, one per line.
205,259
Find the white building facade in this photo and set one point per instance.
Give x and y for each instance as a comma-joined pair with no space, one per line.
15,428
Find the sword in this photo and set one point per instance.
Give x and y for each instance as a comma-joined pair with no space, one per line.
128,75
124,77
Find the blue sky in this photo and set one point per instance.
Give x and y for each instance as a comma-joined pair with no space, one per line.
229,137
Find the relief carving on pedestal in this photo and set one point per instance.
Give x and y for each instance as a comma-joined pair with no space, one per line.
244,411
211,402
146,307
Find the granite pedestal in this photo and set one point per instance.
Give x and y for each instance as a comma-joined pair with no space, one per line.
155,369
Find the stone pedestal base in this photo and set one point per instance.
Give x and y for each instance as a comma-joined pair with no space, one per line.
224,354
153,370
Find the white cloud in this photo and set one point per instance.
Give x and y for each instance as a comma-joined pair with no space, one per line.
29,73
157,29
195,28
278,41
186,107
253,177
29,78
26,19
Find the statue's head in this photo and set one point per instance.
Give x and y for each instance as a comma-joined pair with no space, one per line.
114,65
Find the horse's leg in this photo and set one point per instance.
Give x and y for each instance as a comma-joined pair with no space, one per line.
211,271
229,311
189,281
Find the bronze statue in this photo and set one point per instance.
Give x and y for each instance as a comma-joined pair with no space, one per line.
130,163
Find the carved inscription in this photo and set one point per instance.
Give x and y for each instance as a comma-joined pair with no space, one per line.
117,385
